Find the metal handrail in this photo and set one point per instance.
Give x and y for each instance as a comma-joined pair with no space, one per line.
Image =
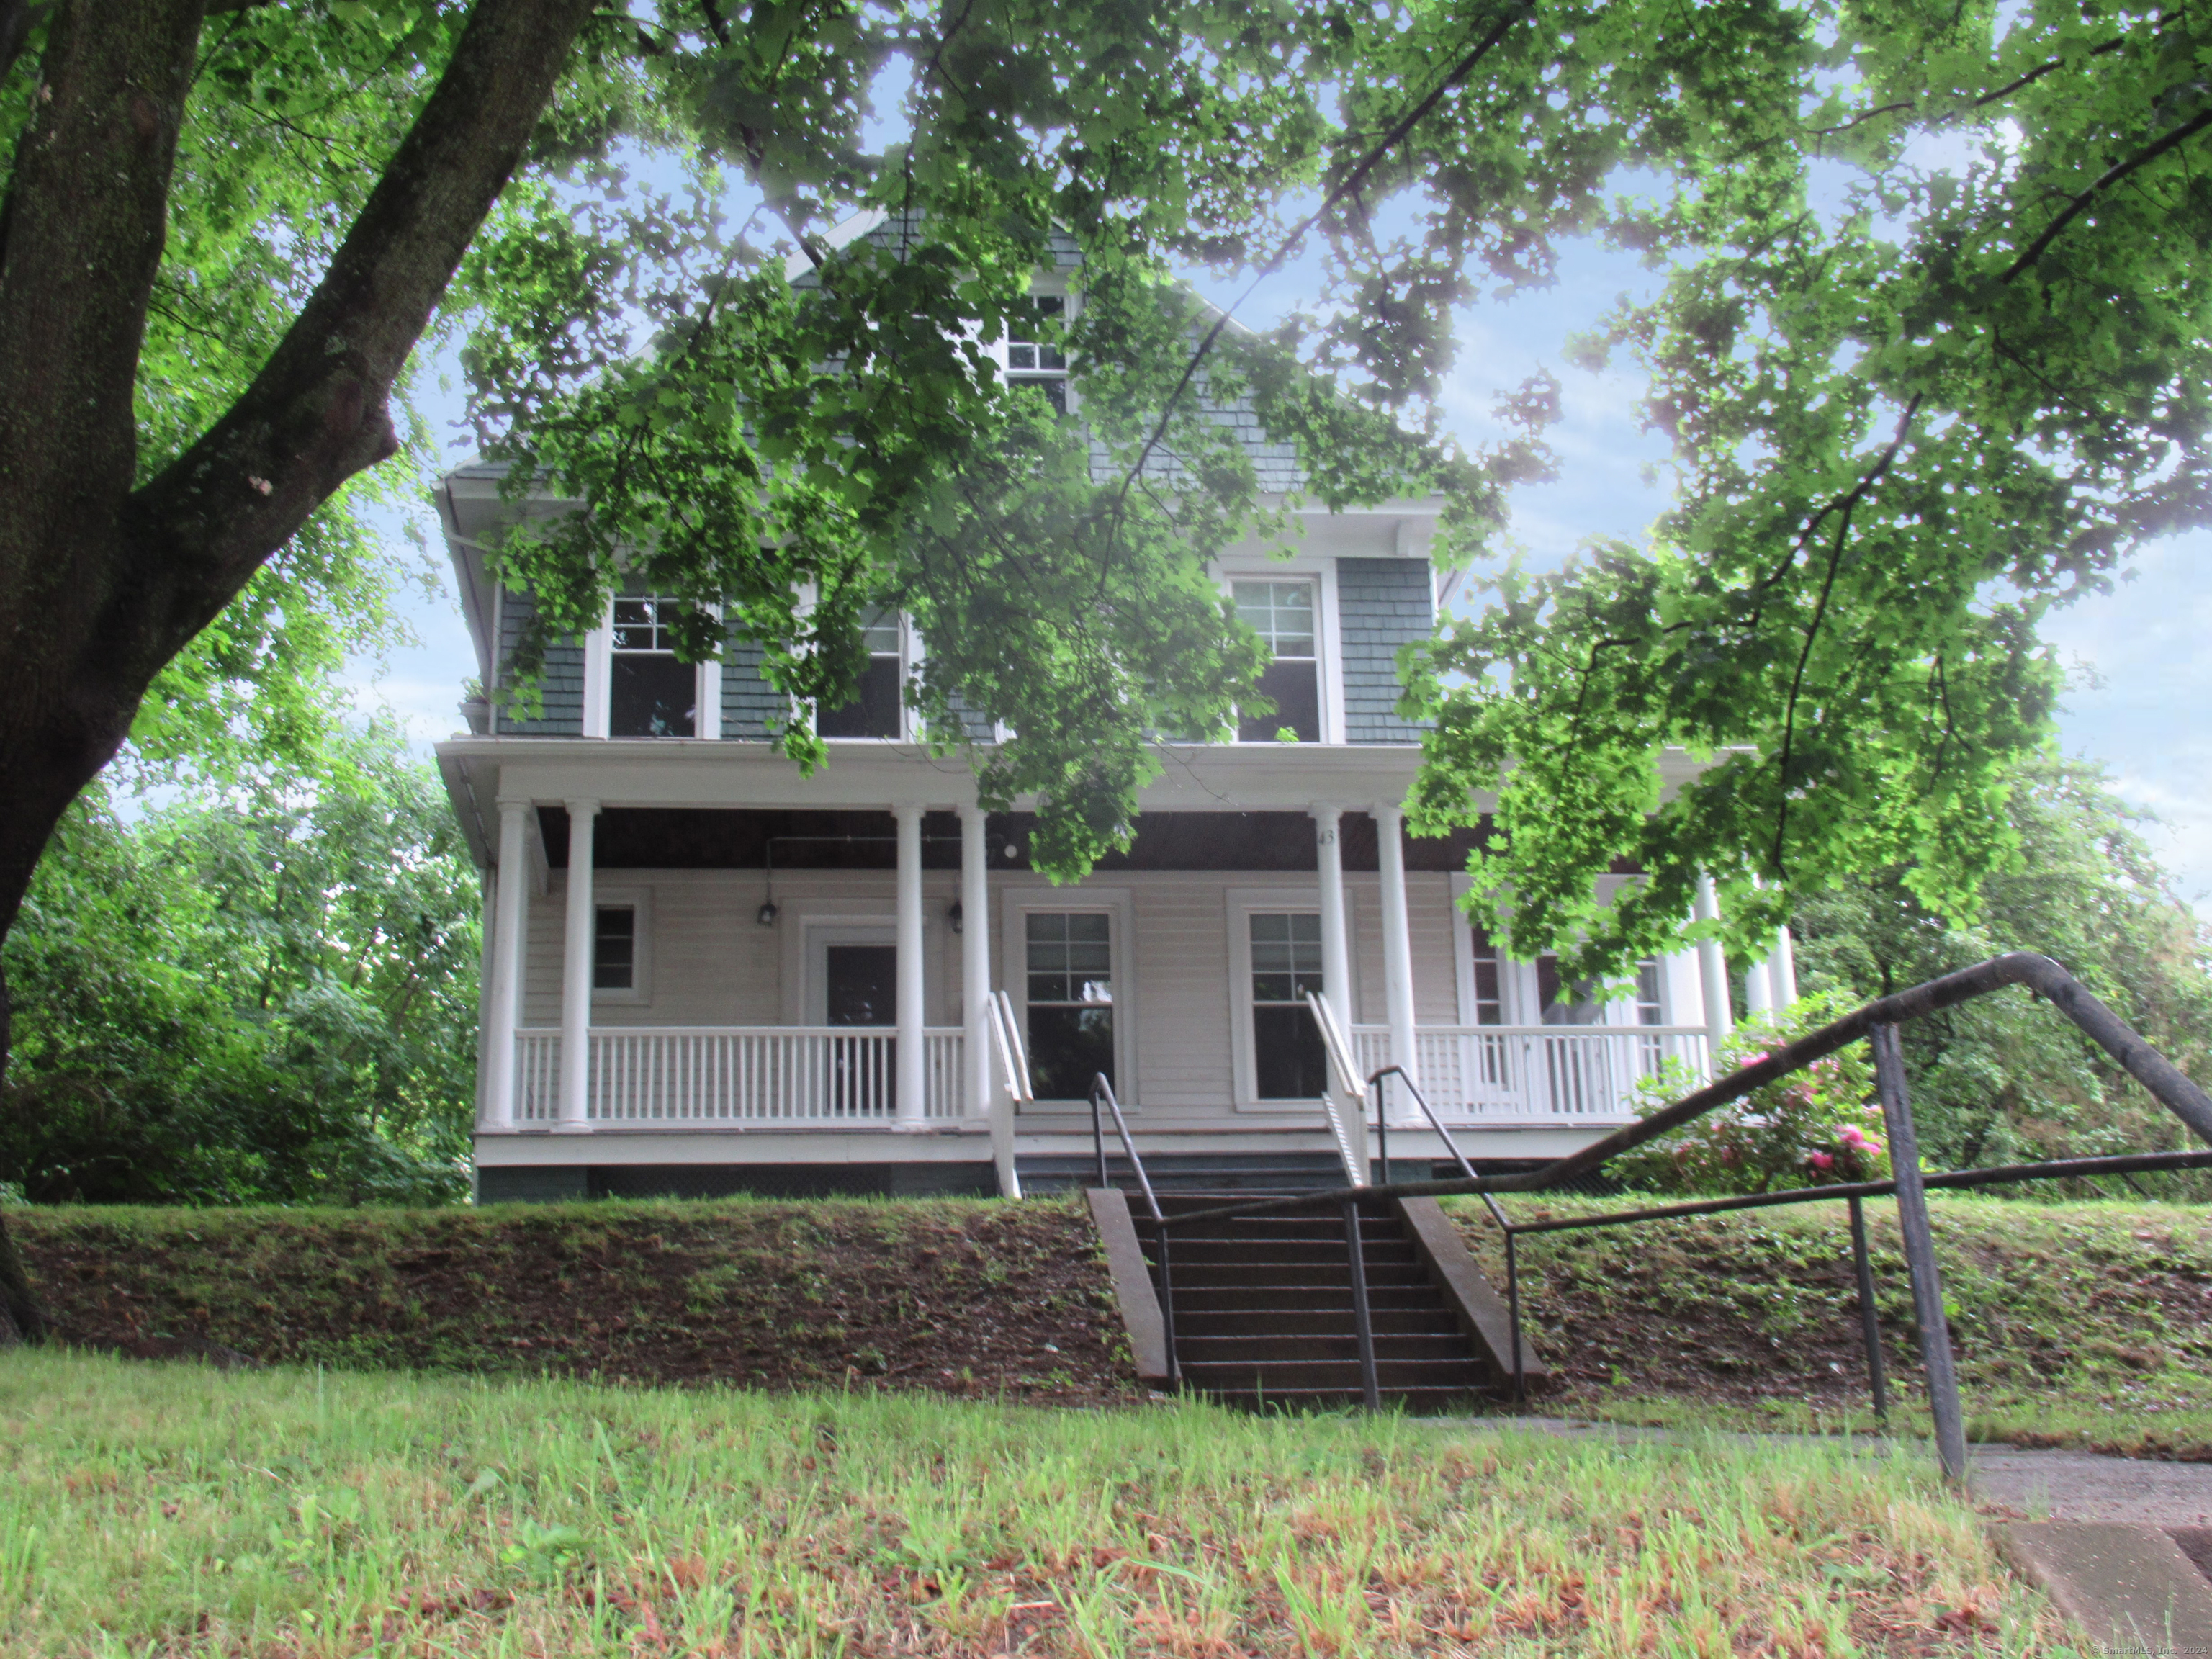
1877,1023
1103,1089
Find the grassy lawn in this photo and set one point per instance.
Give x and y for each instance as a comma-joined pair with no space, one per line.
2083,1324
170,1509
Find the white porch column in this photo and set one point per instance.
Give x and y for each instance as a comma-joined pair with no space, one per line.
976,956
1759,989
510,921
911,1074
1335,952
1712,970
581,924
1397,956
1784,961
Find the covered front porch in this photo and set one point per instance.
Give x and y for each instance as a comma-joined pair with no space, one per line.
688,969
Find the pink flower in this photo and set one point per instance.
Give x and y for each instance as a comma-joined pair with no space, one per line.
1822,1161
1852,1136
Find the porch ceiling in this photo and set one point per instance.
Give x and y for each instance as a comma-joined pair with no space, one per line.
708,838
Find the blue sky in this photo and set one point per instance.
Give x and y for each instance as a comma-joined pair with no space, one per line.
2140,683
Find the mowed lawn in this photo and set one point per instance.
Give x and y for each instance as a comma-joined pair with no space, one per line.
169,1508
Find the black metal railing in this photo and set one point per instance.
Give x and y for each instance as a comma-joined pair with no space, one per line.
1876,1023
1102,1093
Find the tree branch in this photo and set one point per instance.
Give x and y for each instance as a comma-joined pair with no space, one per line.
1348,185
316,414
1850,502
2074,207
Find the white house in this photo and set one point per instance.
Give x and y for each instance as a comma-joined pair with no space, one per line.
704,972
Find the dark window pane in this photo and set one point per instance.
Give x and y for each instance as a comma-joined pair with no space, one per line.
1068,1047
1292,687
1649,1006
613,950
651,697
861,985
874,712
1287,1054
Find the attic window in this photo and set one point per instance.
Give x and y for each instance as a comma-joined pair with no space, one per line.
1031,362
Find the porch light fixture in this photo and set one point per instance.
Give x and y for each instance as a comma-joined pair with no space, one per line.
766,914
955,915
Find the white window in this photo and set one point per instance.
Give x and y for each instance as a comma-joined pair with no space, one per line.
878,705
1068,961
634,686
1278,1062
614,949
1284,614
621,945
649,693
1289,1060
1031,362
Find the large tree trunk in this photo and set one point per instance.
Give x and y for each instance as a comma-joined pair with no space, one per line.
100,583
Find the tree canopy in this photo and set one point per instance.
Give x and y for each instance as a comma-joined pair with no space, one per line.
1928,351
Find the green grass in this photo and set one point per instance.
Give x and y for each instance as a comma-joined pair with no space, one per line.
2085,1324
171,1509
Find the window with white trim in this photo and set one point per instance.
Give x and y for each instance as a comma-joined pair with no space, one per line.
878,706
1289,1061
1035,363
650,694
1069,963
1283,614
614,948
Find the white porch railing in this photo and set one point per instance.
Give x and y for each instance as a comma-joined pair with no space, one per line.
1479,1073
781,1075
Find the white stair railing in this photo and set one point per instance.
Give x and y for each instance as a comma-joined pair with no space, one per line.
1344,1105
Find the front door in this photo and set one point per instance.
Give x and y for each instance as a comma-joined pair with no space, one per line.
860,987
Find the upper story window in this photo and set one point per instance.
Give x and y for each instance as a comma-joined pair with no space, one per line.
1282,613
649,693
1031,362
878,709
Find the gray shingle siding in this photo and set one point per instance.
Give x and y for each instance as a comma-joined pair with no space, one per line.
1381,604
562,685
752,709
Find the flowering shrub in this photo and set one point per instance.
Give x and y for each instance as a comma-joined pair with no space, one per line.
1811,1128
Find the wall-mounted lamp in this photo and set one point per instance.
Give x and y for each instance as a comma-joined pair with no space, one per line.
956,916
766,914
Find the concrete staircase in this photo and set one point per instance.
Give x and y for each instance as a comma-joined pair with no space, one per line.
1263,1309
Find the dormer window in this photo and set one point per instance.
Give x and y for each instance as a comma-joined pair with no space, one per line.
879,709
1031,362
1282,614
649,693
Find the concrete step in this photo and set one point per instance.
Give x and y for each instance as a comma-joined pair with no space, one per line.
1432,1318
1200,1300
1376,1252
1210,1275
1309,1347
